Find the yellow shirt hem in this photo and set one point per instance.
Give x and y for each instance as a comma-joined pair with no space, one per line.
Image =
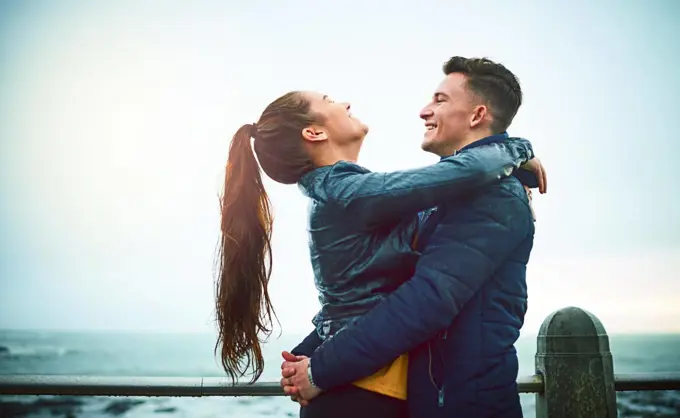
389,381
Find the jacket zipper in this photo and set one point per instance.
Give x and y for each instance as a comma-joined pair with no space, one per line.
440,391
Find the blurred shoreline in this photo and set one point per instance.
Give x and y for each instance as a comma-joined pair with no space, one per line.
191,354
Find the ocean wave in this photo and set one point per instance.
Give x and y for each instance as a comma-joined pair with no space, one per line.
34,351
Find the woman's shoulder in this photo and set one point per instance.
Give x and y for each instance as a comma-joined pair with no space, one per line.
317,182
339,168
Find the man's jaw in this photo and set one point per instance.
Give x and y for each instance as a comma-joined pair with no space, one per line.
434,145
429,143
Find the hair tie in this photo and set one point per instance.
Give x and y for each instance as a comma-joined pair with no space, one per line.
253,130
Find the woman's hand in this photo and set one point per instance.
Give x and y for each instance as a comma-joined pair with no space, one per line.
534,165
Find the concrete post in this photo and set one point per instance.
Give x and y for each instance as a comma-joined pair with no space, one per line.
574,359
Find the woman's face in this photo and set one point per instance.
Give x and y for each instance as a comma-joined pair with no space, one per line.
335,121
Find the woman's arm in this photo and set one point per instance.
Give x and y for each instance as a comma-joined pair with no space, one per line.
376,198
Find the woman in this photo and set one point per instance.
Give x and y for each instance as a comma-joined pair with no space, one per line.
362,226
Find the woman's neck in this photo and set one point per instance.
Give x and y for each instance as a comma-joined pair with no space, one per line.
331,155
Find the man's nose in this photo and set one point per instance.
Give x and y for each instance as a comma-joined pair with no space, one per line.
426,112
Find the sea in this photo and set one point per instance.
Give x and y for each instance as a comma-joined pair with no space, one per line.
158,354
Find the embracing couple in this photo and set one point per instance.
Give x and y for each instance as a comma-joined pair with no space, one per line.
421,273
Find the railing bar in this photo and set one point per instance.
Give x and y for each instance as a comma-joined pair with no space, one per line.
647,381
216,386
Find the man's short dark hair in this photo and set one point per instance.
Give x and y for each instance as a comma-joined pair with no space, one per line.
497,86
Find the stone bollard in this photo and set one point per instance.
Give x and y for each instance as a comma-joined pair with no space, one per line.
574,359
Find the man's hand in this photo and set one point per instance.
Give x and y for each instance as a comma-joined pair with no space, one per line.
295,381
534,165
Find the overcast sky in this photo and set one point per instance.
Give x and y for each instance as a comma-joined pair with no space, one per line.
116,117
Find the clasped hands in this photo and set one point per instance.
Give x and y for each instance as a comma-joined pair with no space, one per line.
295,380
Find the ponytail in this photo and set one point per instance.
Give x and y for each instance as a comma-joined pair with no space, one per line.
242,303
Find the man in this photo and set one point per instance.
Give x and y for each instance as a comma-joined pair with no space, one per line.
461,313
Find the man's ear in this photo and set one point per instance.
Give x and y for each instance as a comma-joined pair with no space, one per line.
480,112
314,133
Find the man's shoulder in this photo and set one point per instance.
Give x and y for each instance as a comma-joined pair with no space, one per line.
509,192
510,188
504,202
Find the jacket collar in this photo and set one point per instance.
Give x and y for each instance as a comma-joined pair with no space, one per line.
484,141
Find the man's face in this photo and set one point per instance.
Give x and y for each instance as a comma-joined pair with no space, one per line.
449,117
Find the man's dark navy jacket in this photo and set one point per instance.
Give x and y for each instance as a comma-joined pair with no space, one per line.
458,317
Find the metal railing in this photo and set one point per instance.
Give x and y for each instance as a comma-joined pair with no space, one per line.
215,386
572,355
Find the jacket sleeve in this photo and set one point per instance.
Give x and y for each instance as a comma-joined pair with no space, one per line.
308,345
376,198
463,252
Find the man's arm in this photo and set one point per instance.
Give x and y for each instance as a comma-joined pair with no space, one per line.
463,252
376,198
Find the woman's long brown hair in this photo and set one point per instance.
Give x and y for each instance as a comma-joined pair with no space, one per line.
243,307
